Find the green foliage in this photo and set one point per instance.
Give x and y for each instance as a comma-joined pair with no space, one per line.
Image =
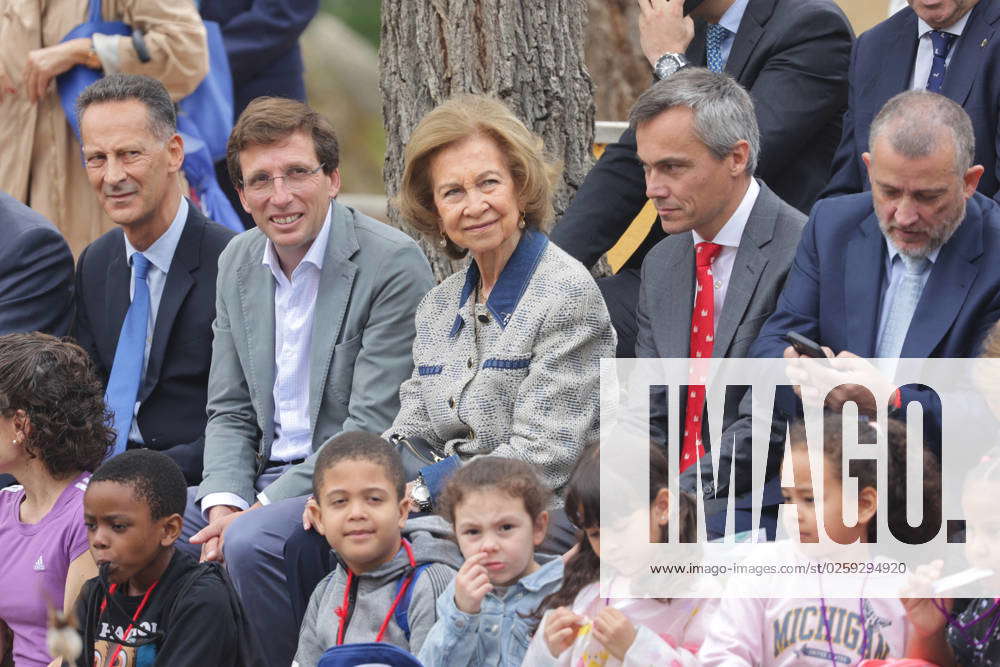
361,15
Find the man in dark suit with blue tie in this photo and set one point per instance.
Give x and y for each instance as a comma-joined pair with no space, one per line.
947,46
145,292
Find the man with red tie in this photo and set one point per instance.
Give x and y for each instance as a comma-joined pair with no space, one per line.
707,288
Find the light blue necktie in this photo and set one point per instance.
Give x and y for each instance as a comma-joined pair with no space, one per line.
941,41
713,46
126,372
908,287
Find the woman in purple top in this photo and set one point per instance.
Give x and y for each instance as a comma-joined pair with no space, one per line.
53,428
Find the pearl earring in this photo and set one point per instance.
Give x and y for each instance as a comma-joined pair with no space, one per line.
520,223
443,242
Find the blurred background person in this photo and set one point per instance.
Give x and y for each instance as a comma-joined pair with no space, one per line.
40,156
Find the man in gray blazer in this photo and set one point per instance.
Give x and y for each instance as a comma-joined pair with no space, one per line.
313,335
708,287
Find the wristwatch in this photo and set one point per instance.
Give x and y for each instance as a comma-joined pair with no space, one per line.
667,64
421,495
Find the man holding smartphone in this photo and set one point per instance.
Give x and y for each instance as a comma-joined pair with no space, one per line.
909,270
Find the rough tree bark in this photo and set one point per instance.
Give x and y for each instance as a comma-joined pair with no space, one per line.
614,58
527,53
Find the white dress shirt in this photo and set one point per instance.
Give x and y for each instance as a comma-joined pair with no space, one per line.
160,254
294,313
729,238
925,50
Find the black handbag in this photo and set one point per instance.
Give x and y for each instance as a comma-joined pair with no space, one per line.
416,453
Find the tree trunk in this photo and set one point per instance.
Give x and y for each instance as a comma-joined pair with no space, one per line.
614,58
527,53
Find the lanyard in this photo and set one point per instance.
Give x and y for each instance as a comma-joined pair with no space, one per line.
342,610
104,605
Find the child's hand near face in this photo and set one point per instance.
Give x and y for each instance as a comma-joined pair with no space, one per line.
615,632
560,630
472,584
923,615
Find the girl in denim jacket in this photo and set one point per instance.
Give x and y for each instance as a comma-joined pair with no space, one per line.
484,617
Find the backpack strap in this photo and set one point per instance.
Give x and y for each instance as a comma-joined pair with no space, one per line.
402,609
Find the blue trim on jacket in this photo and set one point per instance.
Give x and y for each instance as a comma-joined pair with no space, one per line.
512,283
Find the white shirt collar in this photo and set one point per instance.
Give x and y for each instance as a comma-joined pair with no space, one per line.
956,28
734,15
161,253
314,256
732,232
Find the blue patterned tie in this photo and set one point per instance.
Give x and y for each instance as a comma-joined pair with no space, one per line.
908,287
942,42
126,372
713,46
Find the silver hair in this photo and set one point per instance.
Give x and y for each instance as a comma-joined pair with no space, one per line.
121,87
723,111
912,122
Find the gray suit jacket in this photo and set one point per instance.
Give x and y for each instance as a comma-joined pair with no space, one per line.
373,278
666,297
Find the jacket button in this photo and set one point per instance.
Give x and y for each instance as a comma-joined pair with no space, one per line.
469,362
485,319
451,402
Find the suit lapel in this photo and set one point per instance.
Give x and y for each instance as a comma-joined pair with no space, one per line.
118,282
968,60
255,286
747,269
749,33
864,266
332,300
949,282
678,299
175,290
895,73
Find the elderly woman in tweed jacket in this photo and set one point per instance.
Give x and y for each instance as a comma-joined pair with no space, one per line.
507,352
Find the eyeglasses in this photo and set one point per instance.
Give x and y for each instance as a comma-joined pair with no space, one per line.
295,179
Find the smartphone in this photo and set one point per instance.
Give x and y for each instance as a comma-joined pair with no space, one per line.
959,579
805,346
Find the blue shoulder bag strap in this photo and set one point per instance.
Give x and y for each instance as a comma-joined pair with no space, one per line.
402,609
72,82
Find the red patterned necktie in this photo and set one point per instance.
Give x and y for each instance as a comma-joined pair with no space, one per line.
702,339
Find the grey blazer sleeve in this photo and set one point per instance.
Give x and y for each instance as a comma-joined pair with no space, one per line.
384,359
36,283
232,434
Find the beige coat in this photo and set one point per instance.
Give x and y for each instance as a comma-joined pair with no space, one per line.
40,160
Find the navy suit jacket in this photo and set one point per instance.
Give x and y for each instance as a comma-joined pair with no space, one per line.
834,290
792,56
36,272
882,66
262,45
172,413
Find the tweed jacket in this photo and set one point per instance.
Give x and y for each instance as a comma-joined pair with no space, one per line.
517,376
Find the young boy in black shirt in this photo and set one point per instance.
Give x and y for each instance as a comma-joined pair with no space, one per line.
151,604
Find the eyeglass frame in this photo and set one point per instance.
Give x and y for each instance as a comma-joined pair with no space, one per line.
271,179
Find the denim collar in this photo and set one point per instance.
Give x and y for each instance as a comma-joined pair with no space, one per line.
551,570
512,283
